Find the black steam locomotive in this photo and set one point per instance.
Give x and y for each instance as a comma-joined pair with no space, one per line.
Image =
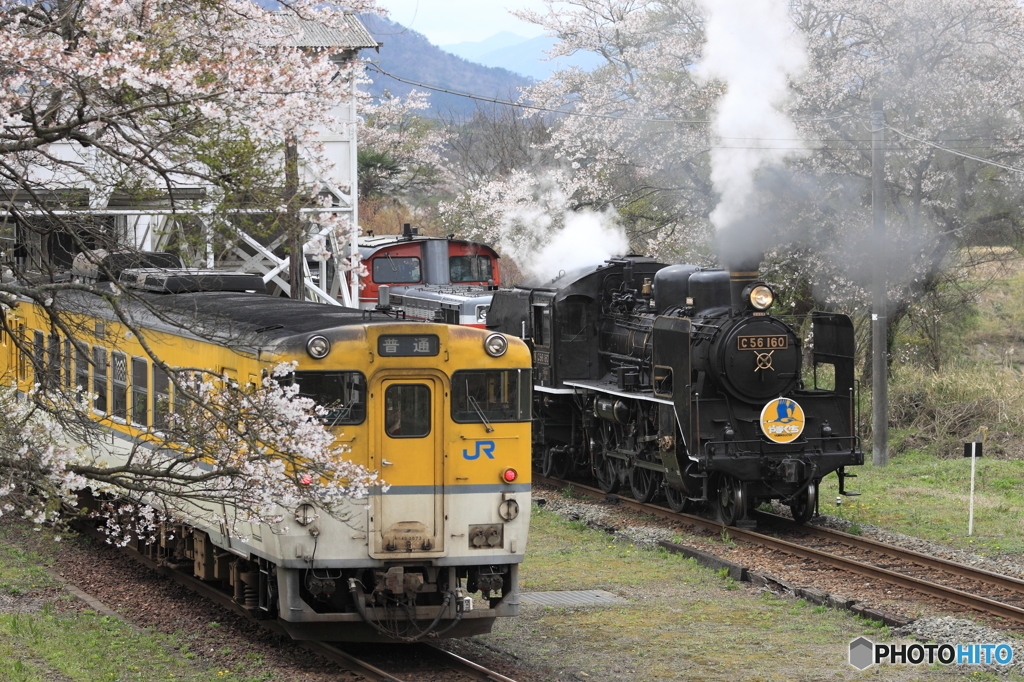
676,379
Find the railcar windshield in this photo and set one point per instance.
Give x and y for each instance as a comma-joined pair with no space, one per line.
388,269
481,396
470,269
342,394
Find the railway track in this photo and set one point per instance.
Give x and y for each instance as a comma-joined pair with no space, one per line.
336,653
998,595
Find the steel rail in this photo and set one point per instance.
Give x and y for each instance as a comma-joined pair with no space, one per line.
954,568
331,653
932,589
467,667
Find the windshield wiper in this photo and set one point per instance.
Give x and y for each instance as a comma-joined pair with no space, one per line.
480,413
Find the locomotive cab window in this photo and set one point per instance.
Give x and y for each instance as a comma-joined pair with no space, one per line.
407,411
342,394
541,325
484,396
573,320
470,269
401,270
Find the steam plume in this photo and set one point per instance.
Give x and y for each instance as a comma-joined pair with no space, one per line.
753,48
545,238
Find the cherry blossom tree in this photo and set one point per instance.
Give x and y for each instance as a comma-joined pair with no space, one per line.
261,449
638,135
191,106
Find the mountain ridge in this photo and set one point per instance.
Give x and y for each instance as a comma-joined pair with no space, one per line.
411,56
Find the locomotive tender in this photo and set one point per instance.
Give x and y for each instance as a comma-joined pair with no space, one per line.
442,412
677,379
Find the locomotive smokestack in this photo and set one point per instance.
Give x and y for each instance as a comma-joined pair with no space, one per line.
742,272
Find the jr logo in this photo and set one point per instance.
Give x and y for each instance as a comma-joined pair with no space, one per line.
485,447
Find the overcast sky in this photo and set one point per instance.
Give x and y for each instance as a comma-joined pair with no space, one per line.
454,21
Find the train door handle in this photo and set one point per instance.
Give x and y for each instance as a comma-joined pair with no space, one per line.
385,463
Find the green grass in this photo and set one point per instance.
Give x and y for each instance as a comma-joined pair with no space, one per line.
928,497
682,621
41,642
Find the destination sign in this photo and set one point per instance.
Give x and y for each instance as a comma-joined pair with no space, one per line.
763,342
408,345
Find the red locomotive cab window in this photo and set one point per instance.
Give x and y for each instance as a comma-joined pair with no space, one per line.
462,269
388,269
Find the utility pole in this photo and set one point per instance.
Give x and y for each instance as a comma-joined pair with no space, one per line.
879,315
293,220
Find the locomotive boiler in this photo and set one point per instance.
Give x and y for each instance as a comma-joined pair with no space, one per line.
676,380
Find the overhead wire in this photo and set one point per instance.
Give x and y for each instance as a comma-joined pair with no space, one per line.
956,152
637,119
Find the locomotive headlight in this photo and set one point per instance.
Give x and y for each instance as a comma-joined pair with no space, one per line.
761,297
496,345
318,347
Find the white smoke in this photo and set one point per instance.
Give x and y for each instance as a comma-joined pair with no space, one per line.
753,48
545,238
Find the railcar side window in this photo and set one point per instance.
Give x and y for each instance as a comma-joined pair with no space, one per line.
140,391
407,410
343,394
82,366
491,395
99,379
22,354
119,380
391,270
470,269
69,378
38,368
161,398
53,360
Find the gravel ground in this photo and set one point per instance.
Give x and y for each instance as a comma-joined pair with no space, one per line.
931,624
146,599
217,637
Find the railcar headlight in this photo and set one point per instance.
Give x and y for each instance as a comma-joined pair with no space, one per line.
318,347
305,514
496,345
481,313
761,297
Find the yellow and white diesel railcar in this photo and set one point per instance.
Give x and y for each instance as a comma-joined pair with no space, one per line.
442,412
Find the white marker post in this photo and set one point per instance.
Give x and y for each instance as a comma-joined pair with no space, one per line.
973,450
970,514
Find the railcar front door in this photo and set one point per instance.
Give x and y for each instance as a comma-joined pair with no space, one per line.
409,448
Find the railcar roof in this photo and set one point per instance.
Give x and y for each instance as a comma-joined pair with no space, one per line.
370,245
261,312
233,317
